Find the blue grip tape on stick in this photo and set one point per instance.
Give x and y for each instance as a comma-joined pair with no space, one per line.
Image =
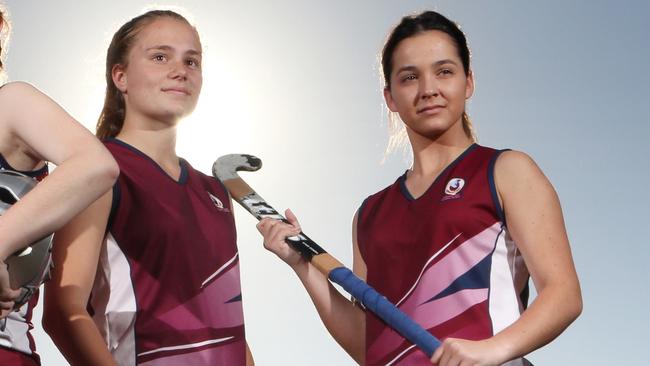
379,305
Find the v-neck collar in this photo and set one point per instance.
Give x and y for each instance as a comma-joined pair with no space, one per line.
182,178
402,179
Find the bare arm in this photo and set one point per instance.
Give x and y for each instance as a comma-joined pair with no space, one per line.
344,321
535,222
249,356
42,129
76,254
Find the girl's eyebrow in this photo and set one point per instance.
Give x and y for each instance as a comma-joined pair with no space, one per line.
170,48
160,47
435,64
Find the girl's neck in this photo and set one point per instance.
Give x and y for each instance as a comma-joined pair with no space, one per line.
431,156
159,145
156,138
430,161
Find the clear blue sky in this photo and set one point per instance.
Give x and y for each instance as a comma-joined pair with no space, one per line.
297,84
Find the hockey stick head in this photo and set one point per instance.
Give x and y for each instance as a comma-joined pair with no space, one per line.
226,167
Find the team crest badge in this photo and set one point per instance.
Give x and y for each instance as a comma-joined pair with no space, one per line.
217,202
453,188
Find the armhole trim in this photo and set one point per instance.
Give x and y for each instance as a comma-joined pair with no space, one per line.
115,205
493,188
37,174
359,213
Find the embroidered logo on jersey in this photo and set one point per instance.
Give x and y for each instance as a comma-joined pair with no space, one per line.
217,203
453,188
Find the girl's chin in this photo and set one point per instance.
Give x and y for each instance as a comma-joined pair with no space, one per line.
172,116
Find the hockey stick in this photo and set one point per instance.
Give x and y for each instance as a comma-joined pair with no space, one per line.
225,169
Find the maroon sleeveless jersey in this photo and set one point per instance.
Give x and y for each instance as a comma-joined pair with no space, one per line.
167,290
444,258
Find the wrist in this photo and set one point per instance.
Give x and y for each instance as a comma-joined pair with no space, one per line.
502,349
301,268
299,265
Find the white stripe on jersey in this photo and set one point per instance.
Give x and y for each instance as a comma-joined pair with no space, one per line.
424,268
219,270
186,346
113,300
391,362
505,304
15,334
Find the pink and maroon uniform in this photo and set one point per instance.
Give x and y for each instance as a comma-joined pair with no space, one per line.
167,289
445,259
17,345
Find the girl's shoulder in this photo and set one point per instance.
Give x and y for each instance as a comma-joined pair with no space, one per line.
18,94
517,171
20,87
20,100
513,162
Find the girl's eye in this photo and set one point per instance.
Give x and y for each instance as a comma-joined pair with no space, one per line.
408,77
193,63
445,72
159,58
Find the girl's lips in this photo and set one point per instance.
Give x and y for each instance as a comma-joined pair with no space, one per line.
430,109
176,91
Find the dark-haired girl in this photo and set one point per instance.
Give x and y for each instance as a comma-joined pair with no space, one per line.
159,284
455,239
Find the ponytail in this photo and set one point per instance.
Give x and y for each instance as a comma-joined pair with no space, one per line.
468,127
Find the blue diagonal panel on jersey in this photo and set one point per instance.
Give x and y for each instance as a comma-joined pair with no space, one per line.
477,277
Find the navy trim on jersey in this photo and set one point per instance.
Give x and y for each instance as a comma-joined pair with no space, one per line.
525,295
402,179
358,214
182,179
30,173
405,191
115,204
363,205
493,187
360,209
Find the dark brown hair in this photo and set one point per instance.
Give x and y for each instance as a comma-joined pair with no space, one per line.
111,119
413,25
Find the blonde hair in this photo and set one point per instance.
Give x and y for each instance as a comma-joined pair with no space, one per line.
398,139
5,31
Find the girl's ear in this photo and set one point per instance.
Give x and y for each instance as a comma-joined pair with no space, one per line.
118,73
469,88
389,100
